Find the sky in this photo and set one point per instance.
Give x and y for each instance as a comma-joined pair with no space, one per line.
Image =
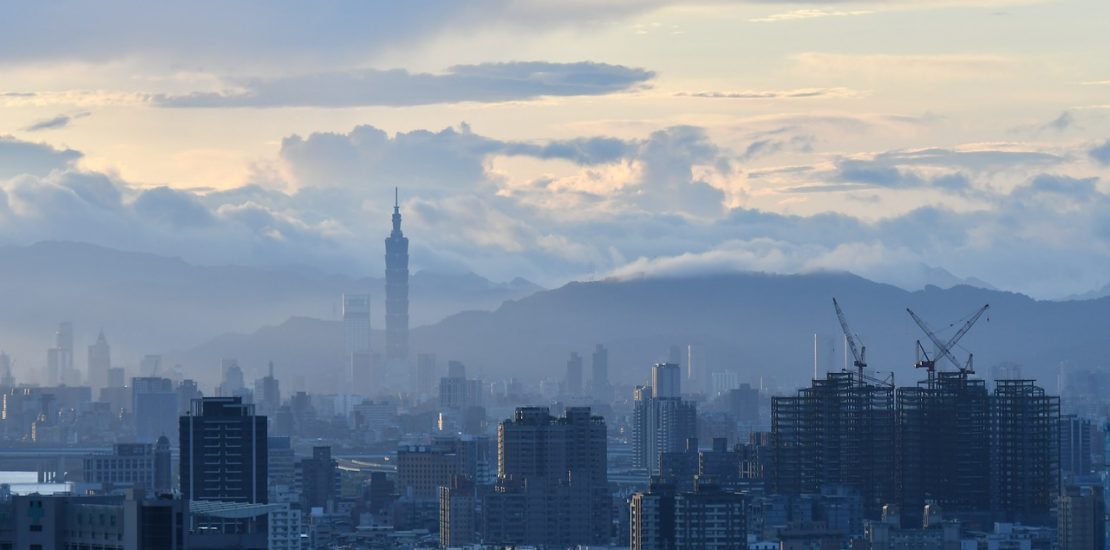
572,140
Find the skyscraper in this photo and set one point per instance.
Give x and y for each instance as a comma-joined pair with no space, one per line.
599,381
100,360
59,358
572,385
396,292
223,451
356,341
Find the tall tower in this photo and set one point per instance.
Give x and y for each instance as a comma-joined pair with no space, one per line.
100,360
396,291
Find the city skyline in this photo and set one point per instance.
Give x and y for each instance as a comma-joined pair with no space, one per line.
834,149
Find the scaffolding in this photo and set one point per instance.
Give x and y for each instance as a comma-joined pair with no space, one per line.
838,432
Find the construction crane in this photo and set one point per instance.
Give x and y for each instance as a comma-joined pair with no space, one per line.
945,348
859,353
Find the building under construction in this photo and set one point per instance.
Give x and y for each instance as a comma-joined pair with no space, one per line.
943,447
838,432
1025,452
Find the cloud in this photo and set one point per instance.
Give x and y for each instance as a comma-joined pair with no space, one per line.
23,157
1101,153
487,82
807,14
774,94
59,121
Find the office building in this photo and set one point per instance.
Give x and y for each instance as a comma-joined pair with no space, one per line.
457,509
187,391
267,393
319,477
1075,446
100,361
154,404
6,378
138,465
552,481
572,382
223,452
709,518
601,389
662,421
456,391
651,518
150,365
356,342
59,358
396,292
425,373
1081,522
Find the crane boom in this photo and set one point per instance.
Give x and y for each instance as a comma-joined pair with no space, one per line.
859,352
945,348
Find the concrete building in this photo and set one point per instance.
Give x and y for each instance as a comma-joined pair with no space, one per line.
457,510
1081,520
661,420
131,465
319,480
709,518
552,483
1075,446
572,382
223,452
600,387
651,518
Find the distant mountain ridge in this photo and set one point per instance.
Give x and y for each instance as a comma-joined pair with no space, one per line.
148,303
759,325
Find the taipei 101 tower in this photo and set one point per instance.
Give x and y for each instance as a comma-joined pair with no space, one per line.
396,292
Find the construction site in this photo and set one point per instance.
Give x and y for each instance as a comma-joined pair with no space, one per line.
980,454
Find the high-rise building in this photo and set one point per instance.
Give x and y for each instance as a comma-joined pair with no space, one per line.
1025,452
709,518
267,393
231,379
128,465
839,431
425,373
457,503
651,521
1075,446
223,452
599,369
943,454
163,476
319,478
100,360
1082,518
697,370
187,391
356,342
662,421
552,482
154,404
396,292
6,378
572,384
59,358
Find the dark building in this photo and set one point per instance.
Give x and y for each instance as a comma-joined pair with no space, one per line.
838,432
154,404
396,291
709,518
223,451
1082,518
1075,446
743,404
457,502
944,447
319,477
552,483
1025,452
651,518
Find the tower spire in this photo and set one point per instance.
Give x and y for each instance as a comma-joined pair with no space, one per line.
396,201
